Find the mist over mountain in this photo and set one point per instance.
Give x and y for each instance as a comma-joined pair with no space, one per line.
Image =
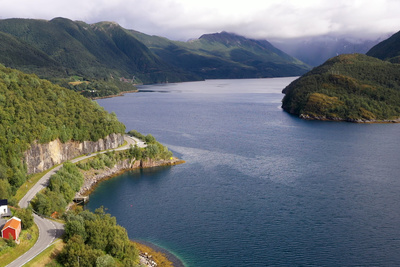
316,50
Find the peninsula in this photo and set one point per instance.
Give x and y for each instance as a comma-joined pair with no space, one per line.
353,87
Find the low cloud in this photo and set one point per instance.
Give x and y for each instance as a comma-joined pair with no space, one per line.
184,19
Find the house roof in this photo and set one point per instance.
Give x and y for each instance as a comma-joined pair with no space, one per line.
13,223
3,202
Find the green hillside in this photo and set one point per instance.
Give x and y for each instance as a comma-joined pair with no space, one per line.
102,52
388,50
31,110
350,87
103,58
225,55
15,53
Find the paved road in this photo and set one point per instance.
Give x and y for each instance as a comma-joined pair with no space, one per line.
48,229
44,181
48,232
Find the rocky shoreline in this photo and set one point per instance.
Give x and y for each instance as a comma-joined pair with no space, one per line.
147,259
324,118
93,177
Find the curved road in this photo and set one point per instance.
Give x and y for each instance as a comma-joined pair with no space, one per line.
50,230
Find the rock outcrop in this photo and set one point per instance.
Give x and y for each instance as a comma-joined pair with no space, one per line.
93,178
41,157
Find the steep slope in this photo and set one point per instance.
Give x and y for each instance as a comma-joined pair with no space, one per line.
36,111
225,55
387,50
94,51
316,50
15,53
352,87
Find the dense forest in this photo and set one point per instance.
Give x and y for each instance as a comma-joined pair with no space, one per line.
350,87
95,239
35,110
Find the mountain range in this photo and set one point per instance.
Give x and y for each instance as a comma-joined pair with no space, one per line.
64,50
225,55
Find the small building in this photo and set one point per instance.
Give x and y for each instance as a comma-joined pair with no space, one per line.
12,227
4,210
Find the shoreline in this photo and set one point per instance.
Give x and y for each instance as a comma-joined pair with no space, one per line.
176,262
93,178
117,95
337,119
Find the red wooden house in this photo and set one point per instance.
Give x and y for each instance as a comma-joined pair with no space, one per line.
13,227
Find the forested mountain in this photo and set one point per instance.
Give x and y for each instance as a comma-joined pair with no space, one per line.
387,50
351,87
225,55
103,58
15,53
31,110
61,48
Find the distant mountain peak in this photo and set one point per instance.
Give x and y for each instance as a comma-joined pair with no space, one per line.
223,37
107,23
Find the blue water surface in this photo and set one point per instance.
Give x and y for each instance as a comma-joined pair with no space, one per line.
259,187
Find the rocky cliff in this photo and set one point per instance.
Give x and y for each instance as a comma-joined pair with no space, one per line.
41,157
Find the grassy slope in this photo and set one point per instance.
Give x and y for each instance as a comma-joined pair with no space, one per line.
348,87
27,237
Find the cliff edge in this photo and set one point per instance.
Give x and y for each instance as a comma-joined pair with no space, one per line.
40,157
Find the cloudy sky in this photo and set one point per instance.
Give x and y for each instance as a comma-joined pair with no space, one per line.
185,19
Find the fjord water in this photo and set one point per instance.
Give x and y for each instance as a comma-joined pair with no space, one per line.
259,186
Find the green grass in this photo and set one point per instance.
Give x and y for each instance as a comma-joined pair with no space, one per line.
8,254
48,256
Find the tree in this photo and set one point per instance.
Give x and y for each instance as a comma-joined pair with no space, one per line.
105,261
150,139
75,227
5,189
26,217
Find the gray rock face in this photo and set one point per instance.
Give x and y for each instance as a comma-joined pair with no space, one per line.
41,157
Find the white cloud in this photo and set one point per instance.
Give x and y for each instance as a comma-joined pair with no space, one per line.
184,19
